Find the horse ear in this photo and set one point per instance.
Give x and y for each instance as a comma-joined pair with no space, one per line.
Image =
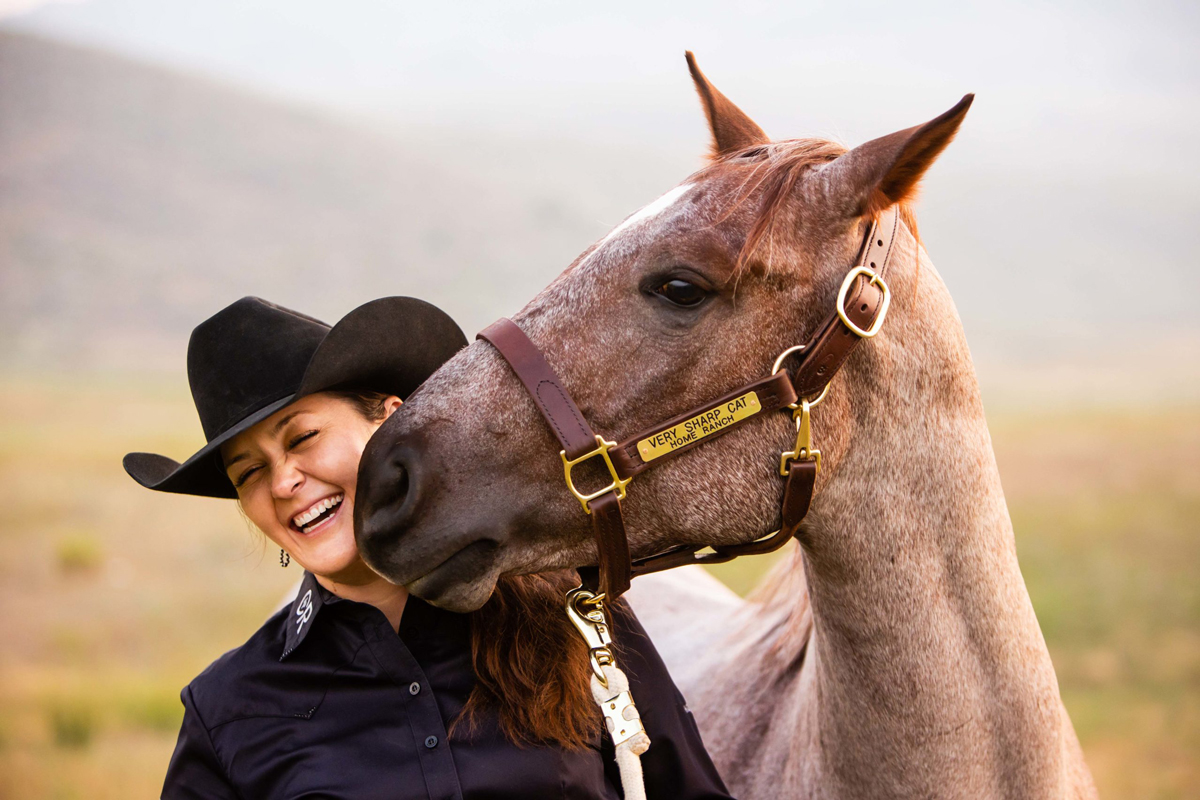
885,171
732,130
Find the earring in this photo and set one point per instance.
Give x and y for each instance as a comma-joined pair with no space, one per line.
284,558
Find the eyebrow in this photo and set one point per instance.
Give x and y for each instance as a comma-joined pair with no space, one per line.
275,430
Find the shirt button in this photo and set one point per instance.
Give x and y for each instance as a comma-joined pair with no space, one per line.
431,742
414,688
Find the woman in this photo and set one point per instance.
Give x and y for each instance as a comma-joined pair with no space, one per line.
357,689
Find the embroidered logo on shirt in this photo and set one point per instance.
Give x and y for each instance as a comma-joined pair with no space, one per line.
304,610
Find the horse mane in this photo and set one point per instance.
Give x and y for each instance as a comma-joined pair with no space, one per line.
781,598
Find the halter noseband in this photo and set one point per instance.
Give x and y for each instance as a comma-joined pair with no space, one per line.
862,303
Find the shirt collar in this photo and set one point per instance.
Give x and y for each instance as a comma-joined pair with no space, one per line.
311,598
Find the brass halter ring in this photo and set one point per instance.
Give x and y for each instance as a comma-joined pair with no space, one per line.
779,363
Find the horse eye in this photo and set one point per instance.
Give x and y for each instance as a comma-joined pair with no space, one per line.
681,293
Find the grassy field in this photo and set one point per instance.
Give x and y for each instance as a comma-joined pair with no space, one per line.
112,597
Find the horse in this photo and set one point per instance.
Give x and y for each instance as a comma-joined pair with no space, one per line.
895,651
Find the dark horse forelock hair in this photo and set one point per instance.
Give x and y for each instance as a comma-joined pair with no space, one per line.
531,667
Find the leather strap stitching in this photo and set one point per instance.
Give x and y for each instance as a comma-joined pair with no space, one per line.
549,415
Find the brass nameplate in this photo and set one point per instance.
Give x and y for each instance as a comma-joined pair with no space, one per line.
699,426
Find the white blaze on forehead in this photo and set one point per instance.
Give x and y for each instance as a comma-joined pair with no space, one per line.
657,207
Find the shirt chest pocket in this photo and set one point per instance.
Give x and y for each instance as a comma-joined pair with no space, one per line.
278,757
306,729
356,742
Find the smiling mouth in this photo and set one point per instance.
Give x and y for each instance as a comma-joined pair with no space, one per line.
318,516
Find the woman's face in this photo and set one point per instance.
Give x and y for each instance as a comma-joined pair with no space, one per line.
295,474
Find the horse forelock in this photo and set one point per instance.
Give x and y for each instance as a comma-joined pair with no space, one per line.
767,176
759,182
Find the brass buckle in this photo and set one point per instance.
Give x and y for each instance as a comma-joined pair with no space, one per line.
804,450
602,448
883,308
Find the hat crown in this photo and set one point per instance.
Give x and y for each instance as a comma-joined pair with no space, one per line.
247,356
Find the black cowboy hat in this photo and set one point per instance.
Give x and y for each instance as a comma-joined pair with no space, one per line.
252,358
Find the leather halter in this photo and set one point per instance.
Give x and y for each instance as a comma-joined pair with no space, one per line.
859,311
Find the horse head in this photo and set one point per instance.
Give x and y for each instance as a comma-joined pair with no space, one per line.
685,300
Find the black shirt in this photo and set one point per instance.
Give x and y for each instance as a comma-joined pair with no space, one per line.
327,701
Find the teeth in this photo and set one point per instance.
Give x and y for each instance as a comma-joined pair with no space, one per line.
302,519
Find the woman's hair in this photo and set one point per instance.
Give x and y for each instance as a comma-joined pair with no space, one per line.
369,404
531,666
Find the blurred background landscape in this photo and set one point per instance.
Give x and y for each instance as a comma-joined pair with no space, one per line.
159,160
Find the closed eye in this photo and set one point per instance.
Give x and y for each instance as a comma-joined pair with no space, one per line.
295,442
301,438
245,476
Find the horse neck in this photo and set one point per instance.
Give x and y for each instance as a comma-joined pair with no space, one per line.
924,646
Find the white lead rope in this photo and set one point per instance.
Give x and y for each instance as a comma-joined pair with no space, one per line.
624,725
610,690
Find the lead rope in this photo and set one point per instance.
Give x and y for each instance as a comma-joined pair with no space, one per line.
610,690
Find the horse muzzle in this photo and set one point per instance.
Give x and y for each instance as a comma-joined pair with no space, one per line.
447,559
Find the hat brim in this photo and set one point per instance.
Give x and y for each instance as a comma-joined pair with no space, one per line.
388,345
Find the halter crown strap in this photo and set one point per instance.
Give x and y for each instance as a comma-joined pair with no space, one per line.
862,301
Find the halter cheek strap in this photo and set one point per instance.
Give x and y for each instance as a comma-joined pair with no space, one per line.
579,443
859,311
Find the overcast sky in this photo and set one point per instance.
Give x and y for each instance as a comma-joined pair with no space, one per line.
1070,84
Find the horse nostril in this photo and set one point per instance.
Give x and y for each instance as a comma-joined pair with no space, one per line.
386,497
401,483
391,489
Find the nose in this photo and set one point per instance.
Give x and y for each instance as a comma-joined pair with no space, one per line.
286,478
387,494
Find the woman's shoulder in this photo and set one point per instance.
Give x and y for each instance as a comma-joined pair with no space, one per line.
627,630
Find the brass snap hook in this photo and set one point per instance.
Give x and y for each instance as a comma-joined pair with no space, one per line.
804,450
593,627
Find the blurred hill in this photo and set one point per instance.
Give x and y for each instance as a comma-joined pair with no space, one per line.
135,201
